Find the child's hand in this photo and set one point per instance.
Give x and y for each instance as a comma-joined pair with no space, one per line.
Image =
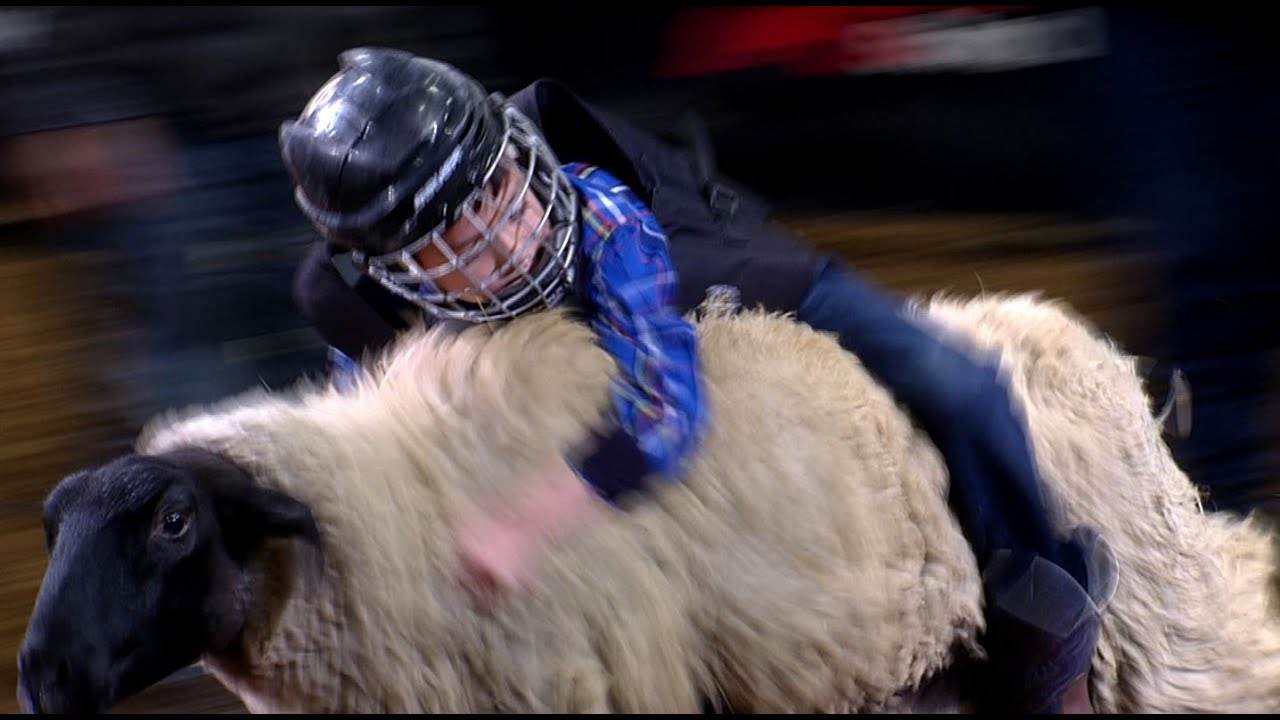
499,550
495,554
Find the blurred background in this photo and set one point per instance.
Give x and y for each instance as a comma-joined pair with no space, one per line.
1122,159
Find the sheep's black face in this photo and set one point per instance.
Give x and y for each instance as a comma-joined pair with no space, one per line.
146,573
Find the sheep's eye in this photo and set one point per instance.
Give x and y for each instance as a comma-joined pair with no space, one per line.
174,524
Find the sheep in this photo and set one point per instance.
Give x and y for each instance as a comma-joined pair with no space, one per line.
298,544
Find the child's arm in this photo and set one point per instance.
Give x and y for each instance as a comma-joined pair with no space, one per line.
631,294
658,398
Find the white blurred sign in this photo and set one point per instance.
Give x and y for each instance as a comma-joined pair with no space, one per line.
959,41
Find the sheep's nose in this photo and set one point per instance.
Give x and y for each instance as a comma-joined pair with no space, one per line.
48,683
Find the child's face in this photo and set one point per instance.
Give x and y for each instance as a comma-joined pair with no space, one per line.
512,231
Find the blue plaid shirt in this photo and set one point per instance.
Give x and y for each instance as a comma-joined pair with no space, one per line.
628,288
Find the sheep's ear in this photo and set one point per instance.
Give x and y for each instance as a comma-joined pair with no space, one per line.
247,513
250,514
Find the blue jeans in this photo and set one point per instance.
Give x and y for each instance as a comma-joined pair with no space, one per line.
1042,623
960,402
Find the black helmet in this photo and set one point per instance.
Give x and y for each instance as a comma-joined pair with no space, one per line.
394,148
389,146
